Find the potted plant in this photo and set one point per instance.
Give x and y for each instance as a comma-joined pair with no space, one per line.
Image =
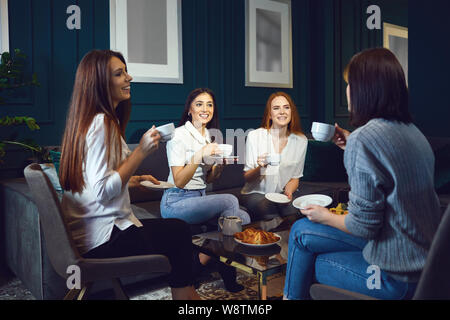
12,77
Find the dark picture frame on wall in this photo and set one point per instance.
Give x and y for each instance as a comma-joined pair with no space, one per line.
151,41
268,43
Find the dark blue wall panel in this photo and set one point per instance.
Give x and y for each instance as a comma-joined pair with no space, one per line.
325,34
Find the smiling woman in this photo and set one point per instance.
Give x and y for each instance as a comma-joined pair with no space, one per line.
189,173
280,136
120,82
97,166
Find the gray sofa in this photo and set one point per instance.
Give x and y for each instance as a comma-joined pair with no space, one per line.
22,243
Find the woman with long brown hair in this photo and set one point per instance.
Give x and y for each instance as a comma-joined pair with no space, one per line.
280,136
97,167
379,248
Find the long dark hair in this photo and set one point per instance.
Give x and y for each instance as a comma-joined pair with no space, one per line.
214,123
91,96
377,87
294,126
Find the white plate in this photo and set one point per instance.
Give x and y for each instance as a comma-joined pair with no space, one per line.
318,199
277,197
161,185
258,245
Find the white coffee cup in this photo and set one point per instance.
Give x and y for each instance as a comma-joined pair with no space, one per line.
230,225
166,131
225,149
273,159
322,131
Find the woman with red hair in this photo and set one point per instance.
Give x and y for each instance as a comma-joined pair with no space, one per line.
280,136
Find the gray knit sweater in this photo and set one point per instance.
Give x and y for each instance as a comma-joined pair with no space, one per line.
392,201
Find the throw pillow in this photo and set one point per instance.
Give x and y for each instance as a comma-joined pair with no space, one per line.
55,156
49,170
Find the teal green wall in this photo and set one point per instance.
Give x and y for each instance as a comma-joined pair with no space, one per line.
430,67
325,34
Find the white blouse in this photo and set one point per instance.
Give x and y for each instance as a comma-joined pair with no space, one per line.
103,202
274,178
187,140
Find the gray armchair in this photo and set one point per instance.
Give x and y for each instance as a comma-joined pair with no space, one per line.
434,282
62,252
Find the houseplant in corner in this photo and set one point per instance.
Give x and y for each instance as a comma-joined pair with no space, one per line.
12,77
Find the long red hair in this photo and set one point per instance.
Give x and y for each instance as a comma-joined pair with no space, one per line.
294,125
91,96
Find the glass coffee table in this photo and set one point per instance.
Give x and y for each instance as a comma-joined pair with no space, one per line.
262,262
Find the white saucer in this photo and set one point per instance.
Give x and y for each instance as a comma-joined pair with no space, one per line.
277,197
161,185
218,159
318,199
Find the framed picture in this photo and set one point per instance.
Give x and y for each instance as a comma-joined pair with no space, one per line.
395,38
268,43
4,25
148,34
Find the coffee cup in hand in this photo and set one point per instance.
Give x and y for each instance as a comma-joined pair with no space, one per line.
166,131
322,131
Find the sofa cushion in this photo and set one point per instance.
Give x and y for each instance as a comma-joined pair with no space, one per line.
156,164
50,172
324,162
147,210
232,177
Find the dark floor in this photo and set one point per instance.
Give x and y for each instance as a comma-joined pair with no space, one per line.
12,288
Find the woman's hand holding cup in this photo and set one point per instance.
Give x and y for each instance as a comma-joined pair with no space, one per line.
340,136
150,141
262,160
210,149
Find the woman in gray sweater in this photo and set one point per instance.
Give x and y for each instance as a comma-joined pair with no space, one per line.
379,248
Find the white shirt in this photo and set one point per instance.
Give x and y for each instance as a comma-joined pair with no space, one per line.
274,178
103,202
187,140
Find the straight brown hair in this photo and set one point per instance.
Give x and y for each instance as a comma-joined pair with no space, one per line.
91,95
294,125
377,87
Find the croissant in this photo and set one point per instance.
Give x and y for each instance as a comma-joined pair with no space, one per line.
254,236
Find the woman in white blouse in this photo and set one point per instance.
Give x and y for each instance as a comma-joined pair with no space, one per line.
187,153
97,166
281,135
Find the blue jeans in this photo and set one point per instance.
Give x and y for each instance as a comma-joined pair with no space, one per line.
323,254
194,206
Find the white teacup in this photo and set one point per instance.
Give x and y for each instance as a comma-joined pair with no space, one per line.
225,149
273,159
230,225
166,131
322,131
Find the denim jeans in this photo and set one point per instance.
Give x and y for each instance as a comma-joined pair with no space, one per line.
194,206
323,254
